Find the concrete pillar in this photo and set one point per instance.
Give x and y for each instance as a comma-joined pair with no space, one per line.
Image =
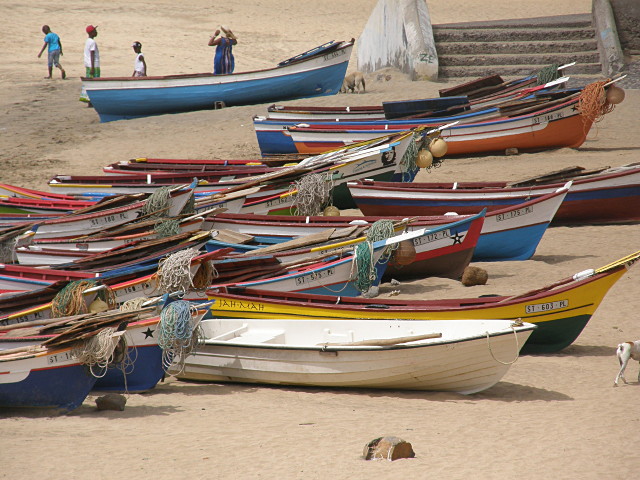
607,36
399,34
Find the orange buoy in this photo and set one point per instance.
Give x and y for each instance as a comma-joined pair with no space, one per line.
405,253
331,211
438,147
615,95
425,159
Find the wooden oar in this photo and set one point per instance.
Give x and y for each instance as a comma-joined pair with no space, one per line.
382,342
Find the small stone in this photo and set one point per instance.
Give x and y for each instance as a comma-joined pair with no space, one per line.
111,401
388,448
474,276
511,151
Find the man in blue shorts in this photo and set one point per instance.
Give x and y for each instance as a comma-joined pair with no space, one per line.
52,41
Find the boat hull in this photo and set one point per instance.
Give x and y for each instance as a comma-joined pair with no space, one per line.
116,99
467,365
51,380
560,313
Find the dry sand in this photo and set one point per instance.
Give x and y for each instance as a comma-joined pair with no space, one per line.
552,416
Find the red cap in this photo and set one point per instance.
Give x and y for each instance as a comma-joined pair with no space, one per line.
91,28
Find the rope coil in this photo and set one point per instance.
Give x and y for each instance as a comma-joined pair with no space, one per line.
70,300
313,193
179,334
96,351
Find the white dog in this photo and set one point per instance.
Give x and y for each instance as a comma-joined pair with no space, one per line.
625,352
353,82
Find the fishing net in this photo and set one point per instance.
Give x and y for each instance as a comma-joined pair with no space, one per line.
179,334
548,74
381,230
166,227
313,193
133,304
70,300
204,276
190,206
592,103
157,202
174,271
8,250
363,270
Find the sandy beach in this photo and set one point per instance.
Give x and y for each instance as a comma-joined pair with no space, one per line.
551,416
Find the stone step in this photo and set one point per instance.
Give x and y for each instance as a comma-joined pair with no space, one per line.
581,59
478,70
579,20
468,48
511,35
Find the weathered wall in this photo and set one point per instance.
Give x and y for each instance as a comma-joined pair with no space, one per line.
398,34
607,35
627,17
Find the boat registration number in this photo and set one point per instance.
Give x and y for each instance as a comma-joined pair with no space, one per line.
549,117
107,219
314,276
29,317
140,287
514,213
331,55
546,307
432,237
59,357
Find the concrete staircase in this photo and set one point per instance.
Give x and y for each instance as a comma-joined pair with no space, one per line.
516,48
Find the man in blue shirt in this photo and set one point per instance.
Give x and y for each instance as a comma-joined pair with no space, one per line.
52,40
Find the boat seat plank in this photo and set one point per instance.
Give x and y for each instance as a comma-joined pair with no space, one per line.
253,336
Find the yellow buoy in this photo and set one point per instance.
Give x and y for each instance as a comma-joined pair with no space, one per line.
425,159
331,211
615,95
405,253
438,147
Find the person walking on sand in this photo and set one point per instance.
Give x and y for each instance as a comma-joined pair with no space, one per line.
91,53
223,61
139,65
52,40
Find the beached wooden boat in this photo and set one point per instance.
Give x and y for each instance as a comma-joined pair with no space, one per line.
80,247
453,356
273,138
481,91
383,159
78,223
50,374
561,310
144,252
313,73
135,280
510,233
607,195
554,124
444,250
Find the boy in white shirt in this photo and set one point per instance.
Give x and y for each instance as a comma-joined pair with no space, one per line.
92,54
139,65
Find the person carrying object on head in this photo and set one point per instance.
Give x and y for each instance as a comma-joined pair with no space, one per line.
223,62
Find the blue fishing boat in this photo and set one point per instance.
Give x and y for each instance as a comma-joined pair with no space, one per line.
317,72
